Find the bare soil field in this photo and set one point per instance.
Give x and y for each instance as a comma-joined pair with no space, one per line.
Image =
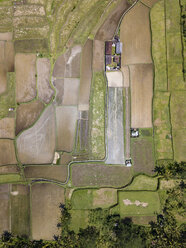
27,114
3,78
31,46
45,92
55,172
9,169
2,51
126,76
68,64
25,77
9,56
7,128
66,127
59,85
71,91
86,73
4,208
98,63
115,78
100,175
20,209
7,152
45,210
6,62
136,37
149,3
141,95
6,36
65,158
143,156
37,144
107,30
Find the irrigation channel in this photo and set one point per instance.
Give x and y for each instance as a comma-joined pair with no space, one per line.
106,127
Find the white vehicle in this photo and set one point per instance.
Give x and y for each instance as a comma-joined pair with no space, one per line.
128,162
134,132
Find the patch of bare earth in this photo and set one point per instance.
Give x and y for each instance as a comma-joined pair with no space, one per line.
25,66
68,64
45,92
7,128
135,36
7,152
141,95
45,210
9,169
4,208
107,30
55,172
66,126
98,63
86,73
37,144
27,114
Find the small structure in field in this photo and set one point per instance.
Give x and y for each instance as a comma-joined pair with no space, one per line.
108,59
113,50
134,132
128,162
119,46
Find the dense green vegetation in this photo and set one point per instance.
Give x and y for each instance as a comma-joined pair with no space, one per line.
97,121
168,49
143,182
7,100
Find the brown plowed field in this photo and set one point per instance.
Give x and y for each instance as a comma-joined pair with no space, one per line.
149,3
7,152
142,156
55,172
98,63
9,169
86,73
37,144
45,92
3,78
68,64
45,210
66,126
4,208
135,36
27,114
7,128
107,30
141,95
25,77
